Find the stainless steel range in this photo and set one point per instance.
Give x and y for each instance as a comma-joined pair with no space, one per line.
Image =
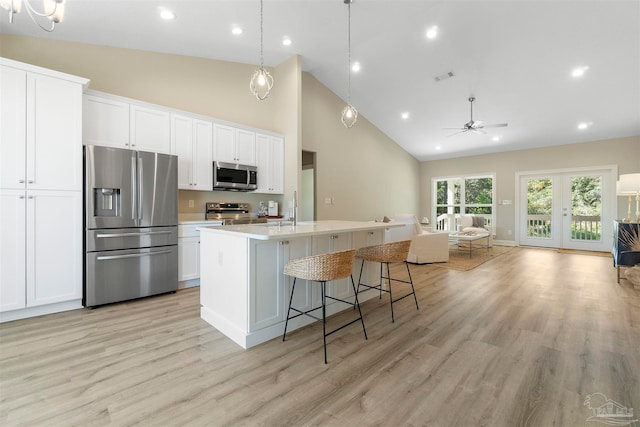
231,213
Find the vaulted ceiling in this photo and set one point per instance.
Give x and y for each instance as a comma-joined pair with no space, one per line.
515,57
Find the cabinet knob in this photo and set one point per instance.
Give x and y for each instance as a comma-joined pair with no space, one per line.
370,233
30,181
30,197
21,197
21,181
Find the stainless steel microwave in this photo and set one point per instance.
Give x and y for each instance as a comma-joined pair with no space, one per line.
234,177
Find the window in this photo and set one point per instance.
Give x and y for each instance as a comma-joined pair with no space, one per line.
473,195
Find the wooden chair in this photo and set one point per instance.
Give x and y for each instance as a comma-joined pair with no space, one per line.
322,269
387,253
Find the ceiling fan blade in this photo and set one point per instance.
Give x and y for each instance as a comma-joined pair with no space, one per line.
462,131
478,130
499,125
477,124
454,128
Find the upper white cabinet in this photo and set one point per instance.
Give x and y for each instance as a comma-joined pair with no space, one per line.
116,122
234,145
150,129
106,122
270,161
41,131
192,142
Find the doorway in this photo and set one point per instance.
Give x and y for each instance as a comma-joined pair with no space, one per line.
571,209
308,188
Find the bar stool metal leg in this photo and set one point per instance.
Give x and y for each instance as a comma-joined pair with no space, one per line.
286,323
324,319
393,319
357,304
413,290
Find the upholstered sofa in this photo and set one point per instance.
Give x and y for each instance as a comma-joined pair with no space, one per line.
466,224
425,247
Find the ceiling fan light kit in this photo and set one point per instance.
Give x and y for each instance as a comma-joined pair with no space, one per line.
475,126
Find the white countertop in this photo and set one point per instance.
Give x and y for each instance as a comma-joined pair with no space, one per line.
271,231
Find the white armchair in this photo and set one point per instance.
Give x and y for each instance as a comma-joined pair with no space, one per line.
466,223
425,247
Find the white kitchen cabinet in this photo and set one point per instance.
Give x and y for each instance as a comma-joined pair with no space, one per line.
192,142
234,145
42,260
188,258
41,131
340,288
12,250
270,287
105,122
150,129
270,162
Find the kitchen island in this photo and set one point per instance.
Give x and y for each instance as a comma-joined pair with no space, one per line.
243,292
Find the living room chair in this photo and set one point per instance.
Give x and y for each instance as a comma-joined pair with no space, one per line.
426,247
475,223
322,269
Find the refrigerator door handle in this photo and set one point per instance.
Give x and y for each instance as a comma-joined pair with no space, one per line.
134,188
101,236
110,257
140,189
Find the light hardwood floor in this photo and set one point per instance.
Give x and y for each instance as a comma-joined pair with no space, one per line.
521,340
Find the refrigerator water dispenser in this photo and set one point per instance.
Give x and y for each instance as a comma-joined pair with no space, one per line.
107,201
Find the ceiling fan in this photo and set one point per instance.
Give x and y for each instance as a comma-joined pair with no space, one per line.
475,126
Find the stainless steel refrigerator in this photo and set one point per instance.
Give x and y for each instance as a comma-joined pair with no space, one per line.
131,224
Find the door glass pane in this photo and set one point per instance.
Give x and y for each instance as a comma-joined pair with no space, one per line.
539,208
586,208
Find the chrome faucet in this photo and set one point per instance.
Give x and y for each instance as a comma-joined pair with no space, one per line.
295,208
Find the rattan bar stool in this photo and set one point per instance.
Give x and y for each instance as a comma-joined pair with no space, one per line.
321,269
385,254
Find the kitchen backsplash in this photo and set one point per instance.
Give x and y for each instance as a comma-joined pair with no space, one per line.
199,198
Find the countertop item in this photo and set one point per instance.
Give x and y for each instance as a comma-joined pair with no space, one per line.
271,230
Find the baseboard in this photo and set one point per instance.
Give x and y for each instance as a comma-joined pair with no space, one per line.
40,310
505,242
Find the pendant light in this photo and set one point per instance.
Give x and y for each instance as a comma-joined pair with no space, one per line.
349,114
261,82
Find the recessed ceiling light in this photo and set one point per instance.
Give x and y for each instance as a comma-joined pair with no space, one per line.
495,139
286,41
579,71
405,115
236,31
584,125
355,67
167,14
432,32
438,147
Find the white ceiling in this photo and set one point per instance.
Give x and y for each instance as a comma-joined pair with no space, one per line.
515,57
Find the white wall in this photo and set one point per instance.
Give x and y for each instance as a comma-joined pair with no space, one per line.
623,152
364,171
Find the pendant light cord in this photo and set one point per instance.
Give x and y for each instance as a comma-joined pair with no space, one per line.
261,46
349,54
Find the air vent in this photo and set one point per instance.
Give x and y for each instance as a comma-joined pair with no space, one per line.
444,76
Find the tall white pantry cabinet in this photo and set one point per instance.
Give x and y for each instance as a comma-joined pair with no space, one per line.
40,190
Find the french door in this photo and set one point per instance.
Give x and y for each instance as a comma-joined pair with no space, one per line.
568,210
